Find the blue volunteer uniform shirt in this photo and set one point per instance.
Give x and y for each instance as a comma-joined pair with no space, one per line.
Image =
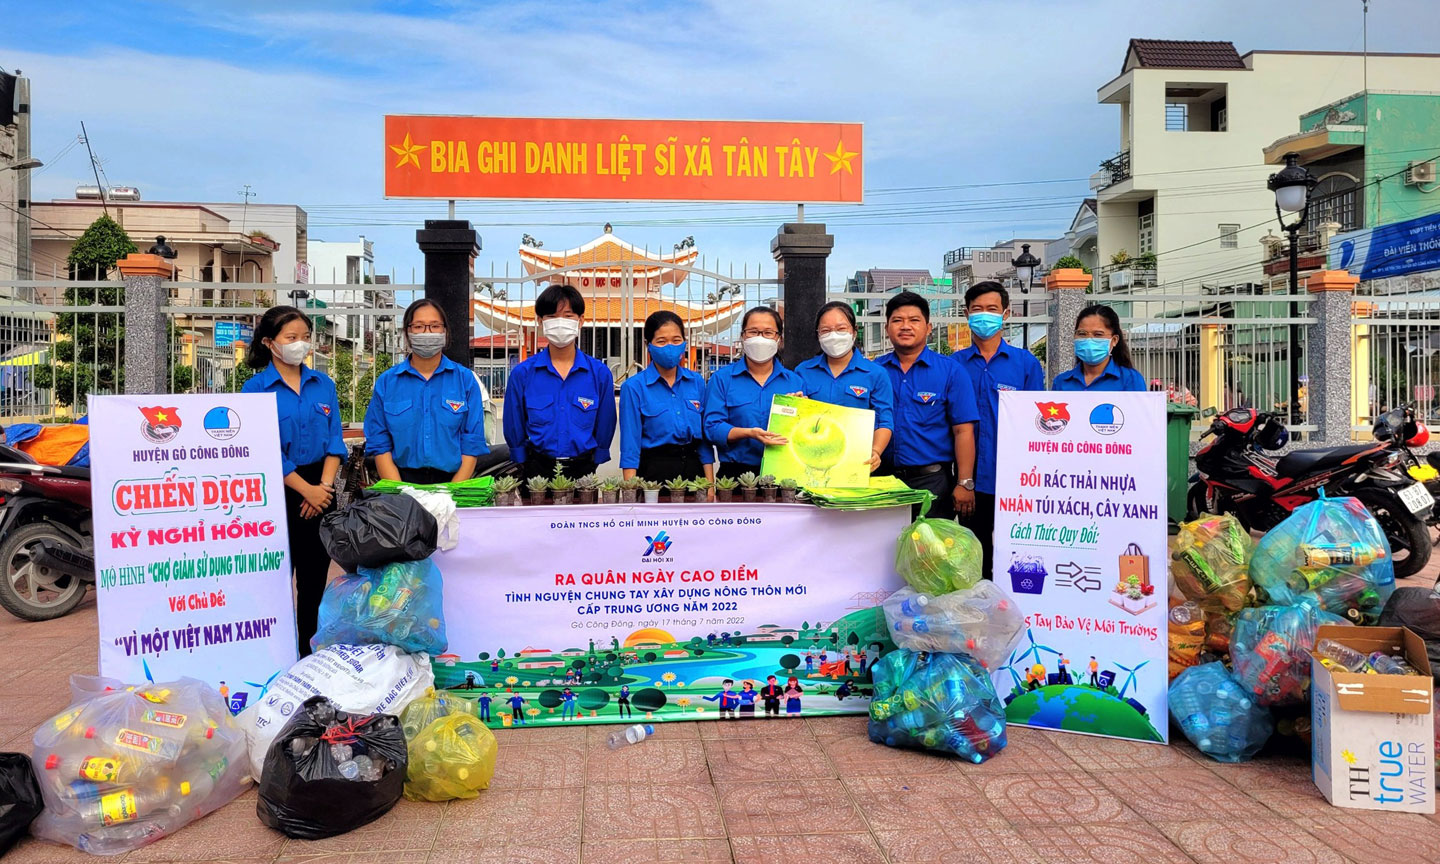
309,420
653,415
735,399
930,399
1115,379
560,417
1011,368
426,424
861,384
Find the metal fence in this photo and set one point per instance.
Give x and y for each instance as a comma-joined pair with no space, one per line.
1396,358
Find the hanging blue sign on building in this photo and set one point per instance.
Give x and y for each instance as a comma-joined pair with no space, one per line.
227,333
1412,246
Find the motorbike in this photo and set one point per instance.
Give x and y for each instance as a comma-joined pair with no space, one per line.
1399,427
46,543
1236,475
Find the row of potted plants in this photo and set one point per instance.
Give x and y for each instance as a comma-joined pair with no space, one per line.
590,489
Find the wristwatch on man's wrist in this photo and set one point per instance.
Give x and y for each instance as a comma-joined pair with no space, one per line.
968,484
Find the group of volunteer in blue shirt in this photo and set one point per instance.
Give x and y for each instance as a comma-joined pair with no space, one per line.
935,415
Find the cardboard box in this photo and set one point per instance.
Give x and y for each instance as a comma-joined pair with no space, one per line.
1373,736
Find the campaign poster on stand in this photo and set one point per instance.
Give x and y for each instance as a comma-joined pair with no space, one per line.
659,613
192,556
1081,544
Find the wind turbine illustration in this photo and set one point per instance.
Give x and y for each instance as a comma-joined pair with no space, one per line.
1130,677
1018,658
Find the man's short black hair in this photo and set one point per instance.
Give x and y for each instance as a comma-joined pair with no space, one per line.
907,298
980,289
548,303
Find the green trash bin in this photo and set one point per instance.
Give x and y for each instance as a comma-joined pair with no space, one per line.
1178,420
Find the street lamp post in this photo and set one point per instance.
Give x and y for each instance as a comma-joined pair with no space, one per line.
1025,265
23,268
1292,185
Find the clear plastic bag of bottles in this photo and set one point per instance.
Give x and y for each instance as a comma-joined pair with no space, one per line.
982,621
453,757
399,604
1332,550
431,707
125,766
937,556
1210,563
1219,715
942,702
1270,649
329,771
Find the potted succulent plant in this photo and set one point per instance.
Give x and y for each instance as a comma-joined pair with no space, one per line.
748,481
586,488
789,491
651,488
768,489
677,487
725,489
535,489
609,491
701,486
507,492
630,490
564,490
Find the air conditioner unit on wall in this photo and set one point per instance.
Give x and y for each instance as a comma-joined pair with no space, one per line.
1420,173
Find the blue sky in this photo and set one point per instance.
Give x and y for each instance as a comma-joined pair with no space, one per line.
970,108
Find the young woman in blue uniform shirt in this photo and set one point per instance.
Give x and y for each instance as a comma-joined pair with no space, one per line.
426,420
311,448
1102,359
737,403
840,376
560,403
661,434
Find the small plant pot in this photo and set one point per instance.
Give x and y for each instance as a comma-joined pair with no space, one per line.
652,496
587,496
702,497
724,496
749,495
789,496
535,499
627,496
512,499
768,494
677,497
608,497
563,499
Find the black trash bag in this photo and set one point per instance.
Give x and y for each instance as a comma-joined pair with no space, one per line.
1419,610
303,791
377,530
20,800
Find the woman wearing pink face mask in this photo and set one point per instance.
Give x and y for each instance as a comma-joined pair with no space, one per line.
737,402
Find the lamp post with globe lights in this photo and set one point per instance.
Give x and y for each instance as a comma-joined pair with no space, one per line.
1025,265
1292,185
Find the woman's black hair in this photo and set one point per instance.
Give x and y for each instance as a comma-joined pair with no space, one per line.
548,303
257,356
656,320
1121,352
843,307
762,310
422,303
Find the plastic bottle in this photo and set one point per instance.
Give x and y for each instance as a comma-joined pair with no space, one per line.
1385,664
1347,657
349,769
630,735
914,606
124,805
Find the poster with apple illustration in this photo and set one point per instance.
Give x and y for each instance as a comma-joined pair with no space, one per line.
829,444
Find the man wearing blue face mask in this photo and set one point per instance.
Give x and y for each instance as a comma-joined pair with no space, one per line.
661,410
1102,359
993,366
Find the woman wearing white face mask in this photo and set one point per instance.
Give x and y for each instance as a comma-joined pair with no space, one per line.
840,376
426,419
560,402
311,447
737,401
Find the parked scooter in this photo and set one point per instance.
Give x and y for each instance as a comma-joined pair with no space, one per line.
46,543
1236,476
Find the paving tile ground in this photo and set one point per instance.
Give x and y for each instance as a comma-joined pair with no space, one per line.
812,790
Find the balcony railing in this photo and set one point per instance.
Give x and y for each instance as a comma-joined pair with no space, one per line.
958,256
1126,277
1118,167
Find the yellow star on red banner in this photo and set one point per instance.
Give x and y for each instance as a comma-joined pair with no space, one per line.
407,152
841,159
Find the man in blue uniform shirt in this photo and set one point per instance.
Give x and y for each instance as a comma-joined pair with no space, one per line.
993,366
934,412
560,403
